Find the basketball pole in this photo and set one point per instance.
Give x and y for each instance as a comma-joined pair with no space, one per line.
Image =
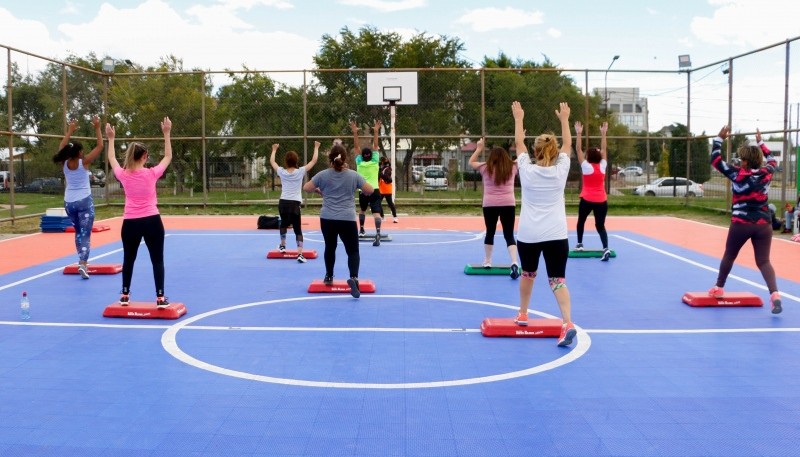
392,109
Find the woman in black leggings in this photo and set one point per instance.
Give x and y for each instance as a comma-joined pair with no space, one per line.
141,219
750,216
337,218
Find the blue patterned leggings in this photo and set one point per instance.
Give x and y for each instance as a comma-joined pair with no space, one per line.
81,213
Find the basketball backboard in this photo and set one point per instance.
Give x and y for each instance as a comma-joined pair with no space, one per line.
398,87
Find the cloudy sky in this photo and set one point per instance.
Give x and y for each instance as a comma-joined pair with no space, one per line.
285,34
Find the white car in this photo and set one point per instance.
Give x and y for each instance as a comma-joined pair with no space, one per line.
664,187
631,171
435,179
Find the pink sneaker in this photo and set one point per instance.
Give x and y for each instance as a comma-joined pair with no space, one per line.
716,292
568,333
521,319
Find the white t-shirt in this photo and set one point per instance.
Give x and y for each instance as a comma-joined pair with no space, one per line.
292,183
542,216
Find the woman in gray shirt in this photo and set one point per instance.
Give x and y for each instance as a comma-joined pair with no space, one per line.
337,219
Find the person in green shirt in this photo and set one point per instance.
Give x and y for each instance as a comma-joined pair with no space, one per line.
368,165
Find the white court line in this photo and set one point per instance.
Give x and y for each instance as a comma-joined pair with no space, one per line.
61,269
705,267
54,270
391,329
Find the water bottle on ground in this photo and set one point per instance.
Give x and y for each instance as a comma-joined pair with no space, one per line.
25,307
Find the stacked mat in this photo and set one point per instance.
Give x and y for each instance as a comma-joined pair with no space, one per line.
50,224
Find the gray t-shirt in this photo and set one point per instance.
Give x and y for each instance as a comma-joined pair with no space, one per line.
338,193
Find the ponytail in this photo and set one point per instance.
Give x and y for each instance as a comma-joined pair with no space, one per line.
337,157
70,151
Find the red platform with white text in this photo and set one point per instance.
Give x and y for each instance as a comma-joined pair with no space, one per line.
276,254
95,269
145,310
95,228
536,328
730,299
366,286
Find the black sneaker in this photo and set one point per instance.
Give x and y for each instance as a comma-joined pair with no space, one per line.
377,241
162,302
362,232
514,271
301,258
579,247
328,280
354,291
282,249
606,255
124,299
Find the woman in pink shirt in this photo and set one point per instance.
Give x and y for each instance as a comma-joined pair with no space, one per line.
593,189
141,218
498,174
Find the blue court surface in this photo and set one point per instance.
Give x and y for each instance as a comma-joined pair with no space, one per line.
260,367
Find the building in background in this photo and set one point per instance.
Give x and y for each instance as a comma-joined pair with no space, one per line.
627,105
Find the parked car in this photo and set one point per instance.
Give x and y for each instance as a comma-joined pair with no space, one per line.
5,181
435,179
416,172
97,178
664,187
43,186
631,171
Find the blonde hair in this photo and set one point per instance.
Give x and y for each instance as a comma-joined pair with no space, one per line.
753,156
133,154
545,150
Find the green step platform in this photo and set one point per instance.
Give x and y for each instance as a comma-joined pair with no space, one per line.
586,253
478,269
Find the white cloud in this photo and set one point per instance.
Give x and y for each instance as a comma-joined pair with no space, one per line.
385,5
69,8
748,23
488,19
153,30
553,32
247,4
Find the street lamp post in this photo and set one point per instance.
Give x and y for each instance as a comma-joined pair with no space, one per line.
605,84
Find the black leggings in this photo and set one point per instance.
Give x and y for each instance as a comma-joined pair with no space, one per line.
600,211
506,216
152,230
390,203
333,229
289,210
760,235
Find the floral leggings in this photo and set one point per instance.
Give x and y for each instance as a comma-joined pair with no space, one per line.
81,213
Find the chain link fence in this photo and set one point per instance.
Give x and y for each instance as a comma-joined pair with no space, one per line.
225,122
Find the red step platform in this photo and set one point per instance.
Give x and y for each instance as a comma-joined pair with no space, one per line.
276,254
730,299
366,286
536,328
145,310
95,269
95,228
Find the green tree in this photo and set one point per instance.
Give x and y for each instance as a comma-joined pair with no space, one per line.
699,167
342,94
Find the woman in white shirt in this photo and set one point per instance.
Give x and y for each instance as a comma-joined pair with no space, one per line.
291,195
543,221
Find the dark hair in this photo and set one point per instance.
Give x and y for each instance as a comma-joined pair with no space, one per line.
753,156
70,151
593,155
291,159
499,165
338,157
366,154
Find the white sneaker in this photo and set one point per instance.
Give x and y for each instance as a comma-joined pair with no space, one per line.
395,220
83,271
